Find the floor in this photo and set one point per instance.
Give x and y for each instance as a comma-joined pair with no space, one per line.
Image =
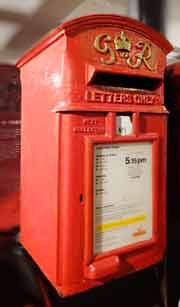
139,289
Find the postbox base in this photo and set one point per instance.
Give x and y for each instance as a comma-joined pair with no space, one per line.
135,264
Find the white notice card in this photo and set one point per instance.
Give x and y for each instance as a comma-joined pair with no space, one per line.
122,194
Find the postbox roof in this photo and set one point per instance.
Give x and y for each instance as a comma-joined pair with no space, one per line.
76,25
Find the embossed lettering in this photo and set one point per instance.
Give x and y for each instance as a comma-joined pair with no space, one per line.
104,43
142,56
101,44
89,130
121,98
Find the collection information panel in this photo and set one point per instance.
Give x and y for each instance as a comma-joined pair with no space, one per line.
122,194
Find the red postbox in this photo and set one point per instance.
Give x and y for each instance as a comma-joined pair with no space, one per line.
94,151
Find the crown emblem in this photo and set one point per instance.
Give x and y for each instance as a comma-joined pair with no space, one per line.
122,43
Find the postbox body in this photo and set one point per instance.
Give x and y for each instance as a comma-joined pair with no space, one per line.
94,151
9,146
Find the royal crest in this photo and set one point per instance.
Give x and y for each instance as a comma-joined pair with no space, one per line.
121,45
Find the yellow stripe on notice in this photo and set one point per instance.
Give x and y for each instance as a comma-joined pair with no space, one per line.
120,223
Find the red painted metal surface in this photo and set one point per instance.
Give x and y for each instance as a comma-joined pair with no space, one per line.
74,84
9,146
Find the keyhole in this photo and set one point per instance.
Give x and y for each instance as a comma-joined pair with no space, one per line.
81,198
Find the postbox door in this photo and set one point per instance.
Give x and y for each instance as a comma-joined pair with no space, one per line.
110,193
121,196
